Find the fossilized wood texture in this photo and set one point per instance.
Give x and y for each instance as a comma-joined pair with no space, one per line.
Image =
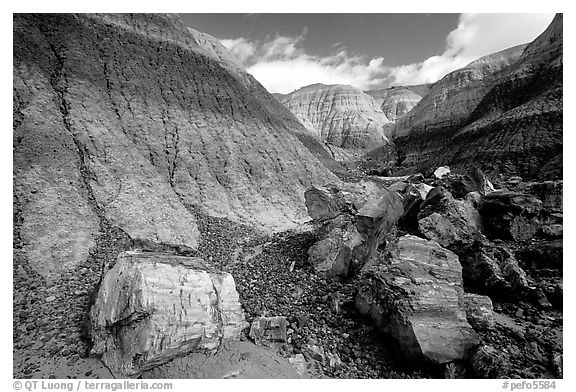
151,308
340,115
503,114
352,222
128,120
417,298
395,102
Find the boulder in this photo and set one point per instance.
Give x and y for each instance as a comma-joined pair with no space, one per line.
269,331
479,311
492,269
415,296
473,181
348,240
435,195
337,253
476,181
373,221
323,202
422,189
398,187
153,307
448,221
511,215
441,172
327,202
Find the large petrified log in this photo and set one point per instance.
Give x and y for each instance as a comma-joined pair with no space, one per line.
153,307
352,224
416,297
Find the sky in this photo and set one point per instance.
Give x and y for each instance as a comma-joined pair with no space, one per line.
287,51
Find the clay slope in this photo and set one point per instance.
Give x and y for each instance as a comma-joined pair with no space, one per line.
129,122
396,101
455,96
341,116
514,127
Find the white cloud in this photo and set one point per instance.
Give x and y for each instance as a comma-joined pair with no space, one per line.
477,35
241,48
282,65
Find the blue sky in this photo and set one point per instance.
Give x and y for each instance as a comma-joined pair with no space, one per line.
288,51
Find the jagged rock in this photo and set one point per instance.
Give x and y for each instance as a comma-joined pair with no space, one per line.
449,222
329,201
417,298
423,189
336,254
442,172
374,220
269,331
435,195
379,215
479,312
127,120
324,202
474,181
348,241
511,215
151,308
340,115
398,187
492,269
487,362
